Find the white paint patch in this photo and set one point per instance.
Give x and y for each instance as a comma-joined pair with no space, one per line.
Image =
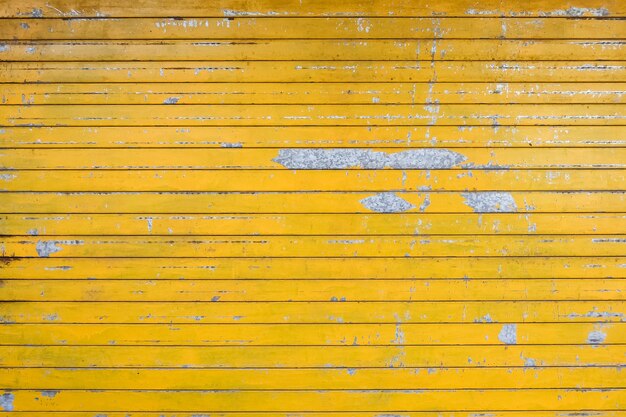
596,337
508,334
386,203
367,159
6,401
490,202
171,100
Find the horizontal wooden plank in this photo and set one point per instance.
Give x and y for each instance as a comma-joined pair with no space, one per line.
314,71
313,246
296,401
313,158
534,413
313,268
319,93
598,413
189,357
262,8
313,50
308,379
346,290
311,224
311,202
386,181
324,115
313,136
314,334
312,28
313,312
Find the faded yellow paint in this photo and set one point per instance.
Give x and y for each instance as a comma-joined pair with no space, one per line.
314,208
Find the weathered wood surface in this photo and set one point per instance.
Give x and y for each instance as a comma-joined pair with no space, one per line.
315,208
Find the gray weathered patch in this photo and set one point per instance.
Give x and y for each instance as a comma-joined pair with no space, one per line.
37,13
6,401
171,100
582,11
47,247
484,319
490,201
596,337
508,334
386,203
231,145
49,393
367,159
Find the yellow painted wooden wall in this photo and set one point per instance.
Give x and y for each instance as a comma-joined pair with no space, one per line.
331,208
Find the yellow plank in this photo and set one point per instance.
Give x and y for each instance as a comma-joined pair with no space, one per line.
311,356
313,312
319,93
352,379
534,413
296,401
310,224
314,268
314,334
312,28
313,246
313,136
242,8
313,50
312,158
325,115
298,202
238,290
321,180
320,71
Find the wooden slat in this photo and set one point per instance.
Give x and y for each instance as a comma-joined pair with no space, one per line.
216,246
357,379
313,312
311,158
314,180
535,413
341,290
314,136
299,202
313,268
190,357
416,400
324,115
314,334
598,413
320,93
313,50
310,224
261,8
311,28
314,71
